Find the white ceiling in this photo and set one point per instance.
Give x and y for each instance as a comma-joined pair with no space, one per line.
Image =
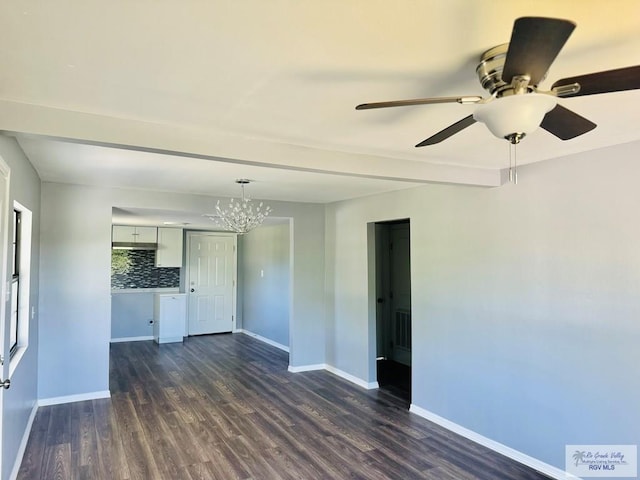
208,92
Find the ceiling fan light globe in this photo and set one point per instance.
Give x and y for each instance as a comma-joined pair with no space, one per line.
514,114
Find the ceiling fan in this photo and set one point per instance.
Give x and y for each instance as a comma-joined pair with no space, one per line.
511,73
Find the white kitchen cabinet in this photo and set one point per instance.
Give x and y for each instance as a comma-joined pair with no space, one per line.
169,253
122,233
169,317
128,233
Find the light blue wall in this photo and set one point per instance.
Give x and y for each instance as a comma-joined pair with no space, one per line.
75,281
130,315
264,260
525,301
19,400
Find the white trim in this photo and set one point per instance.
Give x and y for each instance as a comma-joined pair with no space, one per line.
43,402
178,339
5,202
335,371
26,311
131,339
307,368
262,339
540,466
23,444
352,378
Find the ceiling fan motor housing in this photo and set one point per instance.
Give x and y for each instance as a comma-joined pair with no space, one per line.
516,114
490,69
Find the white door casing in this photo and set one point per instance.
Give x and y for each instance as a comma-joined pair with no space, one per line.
211,282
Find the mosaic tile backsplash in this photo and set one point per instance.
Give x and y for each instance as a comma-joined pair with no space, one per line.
142,272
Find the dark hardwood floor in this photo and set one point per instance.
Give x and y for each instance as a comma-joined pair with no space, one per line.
225,407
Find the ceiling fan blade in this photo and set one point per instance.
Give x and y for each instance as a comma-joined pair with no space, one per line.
449,131
617,80
565,124
535,43
419,101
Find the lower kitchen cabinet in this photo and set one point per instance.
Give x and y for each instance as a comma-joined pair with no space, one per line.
169,315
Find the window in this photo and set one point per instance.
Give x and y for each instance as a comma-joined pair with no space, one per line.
20,311
15,282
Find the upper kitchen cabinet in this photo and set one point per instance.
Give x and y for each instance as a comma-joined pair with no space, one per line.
169,253
130,234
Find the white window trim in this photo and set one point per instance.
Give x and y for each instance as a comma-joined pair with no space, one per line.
24,299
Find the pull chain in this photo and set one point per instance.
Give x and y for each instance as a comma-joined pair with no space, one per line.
510,164
513,158
515,163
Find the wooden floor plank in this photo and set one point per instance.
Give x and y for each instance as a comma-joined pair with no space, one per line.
225,407
57,465
34,457
110,450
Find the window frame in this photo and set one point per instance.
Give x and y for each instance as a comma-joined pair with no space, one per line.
14,327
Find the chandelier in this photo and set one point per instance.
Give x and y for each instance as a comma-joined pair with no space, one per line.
241,216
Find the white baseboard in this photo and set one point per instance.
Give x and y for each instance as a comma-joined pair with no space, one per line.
307,368
498,447
335,371
23,443
74,398
352,378
178,339
131,339
262,339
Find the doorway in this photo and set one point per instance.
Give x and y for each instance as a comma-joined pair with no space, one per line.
393,306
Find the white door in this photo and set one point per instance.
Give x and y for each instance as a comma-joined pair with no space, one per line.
211,283
4,248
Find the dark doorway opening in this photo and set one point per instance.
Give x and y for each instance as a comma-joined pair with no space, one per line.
393,307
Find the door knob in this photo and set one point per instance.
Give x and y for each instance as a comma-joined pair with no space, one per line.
5,384
193,290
